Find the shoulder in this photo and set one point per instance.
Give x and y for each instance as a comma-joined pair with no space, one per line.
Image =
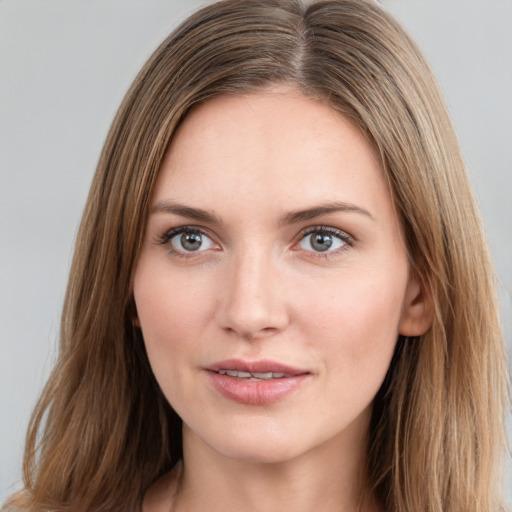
160,496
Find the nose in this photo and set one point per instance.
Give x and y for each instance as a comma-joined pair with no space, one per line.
252,300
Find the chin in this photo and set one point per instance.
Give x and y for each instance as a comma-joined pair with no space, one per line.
260,445
263,453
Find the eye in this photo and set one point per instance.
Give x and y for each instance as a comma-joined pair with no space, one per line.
324,240
187,240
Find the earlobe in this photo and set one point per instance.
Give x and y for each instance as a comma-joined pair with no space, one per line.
418,309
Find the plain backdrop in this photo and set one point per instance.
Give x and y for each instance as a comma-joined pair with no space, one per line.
64,68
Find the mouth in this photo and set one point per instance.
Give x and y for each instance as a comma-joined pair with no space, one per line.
253,376
260,370
255,382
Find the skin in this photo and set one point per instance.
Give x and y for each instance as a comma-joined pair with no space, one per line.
259,288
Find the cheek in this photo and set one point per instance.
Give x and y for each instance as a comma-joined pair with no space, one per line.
356,323
171,306
169,315
167,341
175,310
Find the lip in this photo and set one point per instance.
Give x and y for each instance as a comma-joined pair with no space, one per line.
259,392
262,366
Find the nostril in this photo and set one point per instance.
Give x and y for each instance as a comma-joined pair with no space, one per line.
250,335
249,312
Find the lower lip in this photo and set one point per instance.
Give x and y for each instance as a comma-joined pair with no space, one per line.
255,392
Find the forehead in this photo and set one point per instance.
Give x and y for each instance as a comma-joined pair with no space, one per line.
274,147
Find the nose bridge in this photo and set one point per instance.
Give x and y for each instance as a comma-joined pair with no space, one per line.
252,304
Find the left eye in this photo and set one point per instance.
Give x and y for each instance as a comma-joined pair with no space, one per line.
323,240
191,241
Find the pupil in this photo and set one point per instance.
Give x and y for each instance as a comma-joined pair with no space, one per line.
321,242
191,241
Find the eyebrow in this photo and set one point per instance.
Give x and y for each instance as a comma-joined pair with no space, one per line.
186,211
292,217
296,216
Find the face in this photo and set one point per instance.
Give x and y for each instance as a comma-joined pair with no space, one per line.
273,280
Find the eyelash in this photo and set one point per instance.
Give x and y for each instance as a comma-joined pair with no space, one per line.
166,238
348,241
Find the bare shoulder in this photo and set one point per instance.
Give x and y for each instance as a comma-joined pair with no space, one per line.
160,496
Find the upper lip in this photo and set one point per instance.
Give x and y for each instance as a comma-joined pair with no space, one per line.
262,366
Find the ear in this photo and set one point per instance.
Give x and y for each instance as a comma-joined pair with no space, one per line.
418,308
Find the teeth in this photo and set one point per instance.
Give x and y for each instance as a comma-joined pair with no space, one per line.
252,376
267,375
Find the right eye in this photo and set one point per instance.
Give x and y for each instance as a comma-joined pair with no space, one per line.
187,240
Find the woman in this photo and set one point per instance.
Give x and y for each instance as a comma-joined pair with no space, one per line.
277,299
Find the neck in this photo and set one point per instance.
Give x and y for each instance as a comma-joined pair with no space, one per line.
329,477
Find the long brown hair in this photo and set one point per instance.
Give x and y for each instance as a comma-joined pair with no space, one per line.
102,431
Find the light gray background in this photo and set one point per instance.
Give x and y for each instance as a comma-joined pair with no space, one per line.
64,68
